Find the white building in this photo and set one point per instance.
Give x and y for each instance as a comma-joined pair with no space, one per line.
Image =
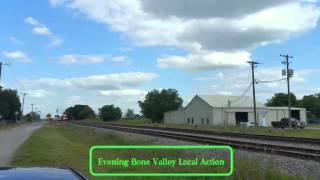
228,110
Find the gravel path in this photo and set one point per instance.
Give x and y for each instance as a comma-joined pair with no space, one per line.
11,139
287,165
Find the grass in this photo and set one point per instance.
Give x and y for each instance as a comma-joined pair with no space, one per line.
66,145
314,125
307,133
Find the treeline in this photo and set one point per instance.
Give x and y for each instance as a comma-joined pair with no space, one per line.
310,102
152,107
157,102
10,106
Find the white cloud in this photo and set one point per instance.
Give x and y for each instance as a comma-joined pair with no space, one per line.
195,9
38,93
205,61
124,93
121,60
210,26
41,29
81,59
38,28
56,2
91,59
72,100
32,21
14,40
16,55
125,49
55,41
44,31
97,82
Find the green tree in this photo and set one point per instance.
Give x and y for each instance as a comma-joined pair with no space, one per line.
9,104
49,116
281,99
32,116
129,114
312,104
79,112
110,113
156,103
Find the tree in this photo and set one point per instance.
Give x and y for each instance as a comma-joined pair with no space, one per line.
281,99
312,104
156,103
130,114
9,104
79,112
49,116
32,116
110,113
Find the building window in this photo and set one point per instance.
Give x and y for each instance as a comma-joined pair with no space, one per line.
188,120
192,121
202,120
208,121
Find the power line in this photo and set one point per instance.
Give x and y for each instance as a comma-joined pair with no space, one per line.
270,81
242,95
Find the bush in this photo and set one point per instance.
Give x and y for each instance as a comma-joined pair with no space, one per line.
110,113
79,112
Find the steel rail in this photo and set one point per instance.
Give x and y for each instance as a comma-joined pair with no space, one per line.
290,151
313,141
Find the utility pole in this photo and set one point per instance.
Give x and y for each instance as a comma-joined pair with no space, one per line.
22,108
253,65
32,111
2,64
289,73
57,115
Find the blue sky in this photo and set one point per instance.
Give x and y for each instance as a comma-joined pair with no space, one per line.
65,52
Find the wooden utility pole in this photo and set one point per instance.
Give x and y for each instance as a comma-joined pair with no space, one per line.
22,108
253,65
289,73
2,64
32,111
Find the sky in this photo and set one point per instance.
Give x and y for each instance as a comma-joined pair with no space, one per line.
99,52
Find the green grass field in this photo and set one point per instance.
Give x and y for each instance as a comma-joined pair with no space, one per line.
308,133
66,145
314,125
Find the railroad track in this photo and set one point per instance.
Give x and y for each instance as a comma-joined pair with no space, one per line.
292,151
312,141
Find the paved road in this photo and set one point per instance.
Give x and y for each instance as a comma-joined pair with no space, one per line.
11,139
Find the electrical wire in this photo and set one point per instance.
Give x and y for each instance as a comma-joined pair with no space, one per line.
271,81
243,94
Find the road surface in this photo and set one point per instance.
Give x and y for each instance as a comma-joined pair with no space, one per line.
11,139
